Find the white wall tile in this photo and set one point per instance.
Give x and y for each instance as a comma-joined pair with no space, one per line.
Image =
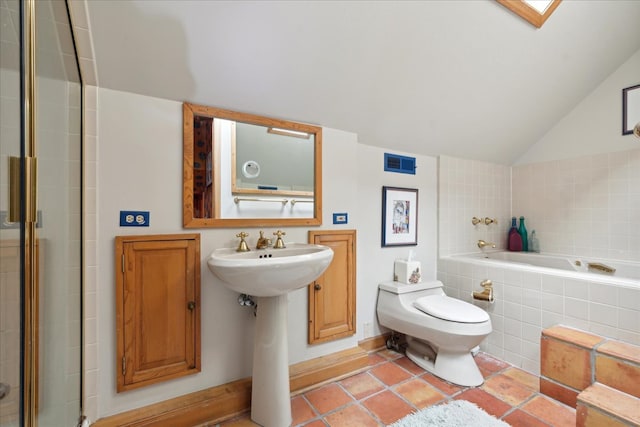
629,319
603,314
603,294
576,308
593,210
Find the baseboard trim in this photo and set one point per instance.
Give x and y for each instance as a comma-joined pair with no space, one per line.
222,402
374,343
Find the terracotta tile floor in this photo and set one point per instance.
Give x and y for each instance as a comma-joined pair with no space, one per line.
394,386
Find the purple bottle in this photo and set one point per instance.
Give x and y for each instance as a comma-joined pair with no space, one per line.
514,242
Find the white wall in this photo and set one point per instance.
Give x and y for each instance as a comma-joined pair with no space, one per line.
375,264
595,125
139,160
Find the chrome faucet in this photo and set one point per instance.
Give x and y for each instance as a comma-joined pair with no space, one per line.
263,242
482,244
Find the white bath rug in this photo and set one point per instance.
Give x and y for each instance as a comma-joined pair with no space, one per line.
458,413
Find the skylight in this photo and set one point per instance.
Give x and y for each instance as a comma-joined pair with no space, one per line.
535,12
539,5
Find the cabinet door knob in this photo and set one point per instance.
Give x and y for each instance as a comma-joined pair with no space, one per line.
191,305
317,286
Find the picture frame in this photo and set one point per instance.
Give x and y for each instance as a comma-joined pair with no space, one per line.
399,216
630,108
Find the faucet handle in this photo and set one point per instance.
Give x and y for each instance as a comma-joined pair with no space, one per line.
242,246
279,242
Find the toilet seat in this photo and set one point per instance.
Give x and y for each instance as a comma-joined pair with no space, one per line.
450,309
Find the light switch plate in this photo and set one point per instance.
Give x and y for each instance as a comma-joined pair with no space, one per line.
340,218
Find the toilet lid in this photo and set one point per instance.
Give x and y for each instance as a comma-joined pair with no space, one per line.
451,309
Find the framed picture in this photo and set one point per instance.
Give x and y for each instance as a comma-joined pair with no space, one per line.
399,216
630,108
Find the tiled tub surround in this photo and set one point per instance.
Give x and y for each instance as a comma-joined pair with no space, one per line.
595,200
529,299
468,188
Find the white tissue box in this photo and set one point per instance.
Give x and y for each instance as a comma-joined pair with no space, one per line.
407,271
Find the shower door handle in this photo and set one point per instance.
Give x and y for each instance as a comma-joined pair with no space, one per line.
4,390
30,184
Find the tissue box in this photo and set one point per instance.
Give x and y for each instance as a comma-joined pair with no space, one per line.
407,271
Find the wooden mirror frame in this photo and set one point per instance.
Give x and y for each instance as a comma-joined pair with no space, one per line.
188,219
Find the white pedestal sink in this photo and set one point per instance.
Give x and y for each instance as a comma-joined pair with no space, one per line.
270,274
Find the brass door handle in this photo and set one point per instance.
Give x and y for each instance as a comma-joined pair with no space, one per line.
317,286
191,305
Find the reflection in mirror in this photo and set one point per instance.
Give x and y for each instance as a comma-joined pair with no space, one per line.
258,165
247,170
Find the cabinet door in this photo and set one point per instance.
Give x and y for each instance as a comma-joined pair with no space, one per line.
158,308
332,297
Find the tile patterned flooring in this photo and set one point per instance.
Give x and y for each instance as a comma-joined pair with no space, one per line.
394,387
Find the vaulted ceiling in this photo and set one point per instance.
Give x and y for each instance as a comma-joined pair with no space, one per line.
461,78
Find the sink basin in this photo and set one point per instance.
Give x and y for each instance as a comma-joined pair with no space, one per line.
270,272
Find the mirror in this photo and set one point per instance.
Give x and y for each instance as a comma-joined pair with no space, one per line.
245,170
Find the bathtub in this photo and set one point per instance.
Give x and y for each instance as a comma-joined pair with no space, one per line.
592,269
535,291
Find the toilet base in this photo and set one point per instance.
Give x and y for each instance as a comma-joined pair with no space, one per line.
457,368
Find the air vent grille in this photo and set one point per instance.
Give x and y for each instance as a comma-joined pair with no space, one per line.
399,164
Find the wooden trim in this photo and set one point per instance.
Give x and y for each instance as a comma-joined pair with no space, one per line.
213,404
374,343
225,401
526,12
316,371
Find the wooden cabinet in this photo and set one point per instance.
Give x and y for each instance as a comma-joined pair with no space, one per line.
157,308
332,297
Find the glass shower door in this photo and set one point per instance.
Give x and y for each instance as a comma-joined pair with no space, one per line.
11,238
59,217
41,244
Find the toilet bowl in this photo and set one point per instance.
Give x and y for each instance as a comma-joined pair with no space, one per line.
441,331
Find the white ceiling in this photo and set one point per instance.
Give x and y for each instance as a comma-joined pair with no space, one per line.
462,78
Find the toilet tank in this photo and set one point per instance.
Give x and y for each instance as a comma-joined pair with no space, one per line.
404,288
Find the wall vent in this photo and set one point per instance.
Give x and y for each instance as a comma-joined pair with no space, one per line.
399,164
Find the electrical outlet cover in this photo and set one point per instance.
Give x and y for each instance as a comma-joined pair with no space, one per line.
134,218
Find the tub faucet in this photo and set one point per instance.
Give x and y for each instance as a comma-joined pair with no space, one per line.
487,293
482,244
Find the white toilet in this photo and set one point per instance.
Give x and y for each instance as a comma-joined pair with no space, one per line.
440,331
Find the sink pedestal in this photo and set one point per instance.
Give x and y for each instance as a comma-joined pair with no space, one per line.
270,393
269,275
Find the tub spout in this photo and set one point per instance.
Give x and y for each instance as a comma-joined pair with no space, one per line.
482,244
487,293
603,268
